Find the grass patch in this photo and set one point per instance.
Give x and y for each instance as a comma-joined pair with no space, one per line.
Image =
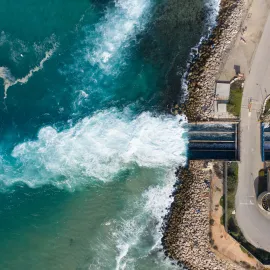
235,101
221,201
245,251
222,219
232,182
267,107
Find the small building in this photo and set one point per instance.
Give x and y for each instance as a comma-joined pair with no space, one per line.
222,95
222,107
223,91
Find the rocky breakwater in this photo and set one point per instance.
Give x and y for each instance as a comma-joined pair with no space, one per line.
211,54
187,237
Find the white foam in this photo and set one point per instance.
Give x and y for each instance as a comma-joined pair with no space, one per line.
99,147
118,25
213,7
6,75
150,208
123,248
3,38
9,80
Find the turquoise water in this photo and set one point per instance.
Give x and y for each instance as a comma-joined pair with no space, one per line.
87,151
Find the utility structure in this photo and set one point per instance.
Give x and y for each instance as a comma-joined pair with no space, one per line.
214,140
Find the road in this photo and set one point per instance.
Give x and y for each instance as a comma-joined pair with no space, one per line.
254,225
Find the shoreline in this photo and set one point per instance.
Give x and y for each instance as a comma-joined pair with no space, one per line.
186,237
212,52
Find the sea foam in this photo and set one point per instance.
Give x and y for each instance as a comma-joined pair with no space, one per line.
117,26
9,79
137,235
99,147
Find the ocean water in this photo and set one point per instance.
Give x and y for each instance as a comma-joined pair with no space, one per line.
87,150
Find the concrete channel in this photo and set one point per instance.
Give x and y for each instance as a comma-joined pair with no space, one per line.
214,141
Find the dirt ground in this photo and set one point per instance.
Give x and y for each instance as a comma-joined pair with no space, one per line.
226,246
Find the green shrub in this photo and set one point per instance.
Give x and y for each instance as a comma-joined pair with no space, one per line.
235,102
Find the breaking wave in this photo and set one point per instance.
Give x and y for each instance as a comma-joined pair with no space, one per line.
114,30
139,228
97,148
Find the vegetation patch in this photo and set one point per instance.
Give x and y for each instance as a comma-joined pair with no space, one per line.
232,182
235,99
267,107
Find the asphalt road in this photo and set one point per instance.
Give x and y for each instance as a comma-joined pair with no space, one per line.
254,225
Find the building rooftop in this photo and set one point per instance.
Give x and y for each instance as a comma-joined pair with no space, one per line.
222,107
223,90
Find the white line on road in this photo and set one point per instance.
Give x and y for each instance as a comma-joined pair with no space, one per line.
247,203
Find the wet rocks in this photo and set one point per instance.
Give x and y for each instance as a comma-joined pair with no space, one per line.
202,72
187,238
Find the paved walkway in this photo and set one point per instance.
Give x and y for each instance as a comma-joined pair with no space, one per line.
254,225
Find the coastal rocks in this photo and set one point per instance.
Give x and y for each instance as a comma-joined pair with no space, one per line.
187,237
211,55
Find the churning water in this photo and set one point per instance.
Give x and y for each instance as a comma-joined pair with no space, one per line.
87,154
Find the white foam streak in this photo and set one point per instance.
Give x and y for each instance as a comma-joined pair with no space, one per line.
118,25
152,208
99,147
213,6
9,80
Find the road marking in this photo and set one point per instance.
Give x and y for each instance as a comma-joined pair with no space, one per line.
247,203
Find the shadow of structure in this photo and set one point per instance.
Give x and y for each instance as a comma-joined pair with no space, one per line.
256,187
260,183
237,69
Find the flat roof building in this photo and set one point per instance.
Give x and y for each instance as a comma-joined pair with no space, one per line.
222,107
222,95
223,91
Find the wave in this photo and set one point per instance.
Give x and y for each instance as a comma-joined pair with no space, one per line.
117,27
212,7
137,235
10,80
97,148
213,10
104,52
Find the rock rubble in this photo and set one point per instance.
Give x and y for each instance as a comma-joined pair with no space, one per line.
187,238
203,71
